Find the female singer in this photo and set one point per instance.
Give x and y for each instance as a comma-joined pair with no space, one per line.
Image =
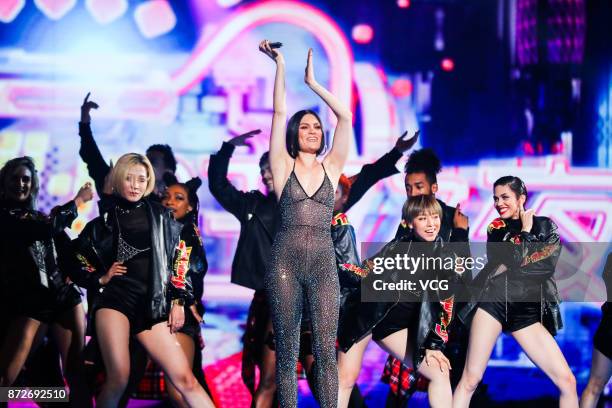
303,262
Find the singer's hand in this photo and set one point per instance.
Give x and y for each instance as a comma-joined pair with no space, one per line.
275,54
309,76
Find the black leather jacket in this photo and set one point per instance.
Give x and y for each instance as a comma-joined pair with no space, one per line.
530,259
27,246
347,257
369,175
436,311
257,215
345,246
95,252
97,168
197,266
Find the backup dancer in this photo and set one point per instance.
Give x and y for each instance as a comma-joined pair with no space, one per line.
519,294
182,200
130,255
163,162
34,291
414,329
420,178
256,212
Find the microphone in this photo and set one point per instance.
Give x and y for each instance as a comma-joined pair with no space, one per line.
276,45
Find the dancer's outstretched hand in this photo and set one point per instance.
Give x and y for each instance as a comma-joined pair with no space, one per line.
275,54
241,140
309,76
86,108
403,144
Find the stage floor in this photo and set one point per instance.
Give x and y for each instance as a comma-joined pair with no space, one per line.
511,378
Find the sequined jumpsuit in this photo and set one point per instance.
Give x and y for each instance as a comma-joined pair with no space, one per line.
303,266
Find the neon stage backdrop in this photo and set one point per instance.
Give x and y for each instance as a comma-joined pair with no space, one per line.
189,74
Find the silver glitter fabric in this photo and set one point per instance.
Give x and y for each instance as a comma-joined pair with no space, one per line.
302,266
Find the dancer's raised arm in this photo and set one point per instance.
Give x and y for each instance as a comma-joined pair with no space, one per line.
334,161
279,158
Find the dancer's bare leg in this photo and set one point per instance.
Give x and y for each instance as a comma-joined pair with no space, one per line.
349,366
163,347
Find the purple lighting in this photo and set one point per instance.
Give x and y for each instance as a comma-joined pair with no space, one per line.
565,26
558,29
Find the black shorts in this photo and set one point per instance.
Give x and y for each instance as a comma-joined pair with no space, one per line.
603,336
506,301
519,316
191,326
44,304
403,315
130,300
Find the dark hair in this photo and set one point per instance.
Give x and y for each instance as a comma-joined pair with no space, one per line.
265,158
514,183
168,155
191,186
10,166
424,161
291,137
